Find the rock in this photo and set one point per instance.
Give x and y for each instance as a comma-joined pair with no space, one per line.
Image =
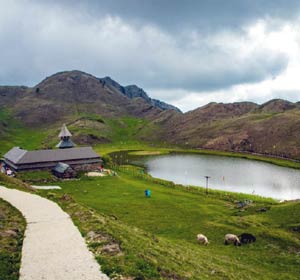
263,209
296,229
66,197
8,233
117,276
91,235
111,249
98,237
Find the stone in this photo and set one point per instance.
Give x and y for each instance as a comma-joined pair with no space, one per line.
8,233
111,249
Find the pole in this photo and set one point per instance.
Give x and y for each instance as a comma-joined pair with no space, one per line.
207,177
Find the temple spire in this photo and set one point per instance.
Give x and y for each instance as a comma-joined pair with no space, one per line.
64,132
65,141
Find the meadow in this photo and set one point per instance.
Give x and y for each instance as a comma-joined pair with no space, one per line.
157,235
155,238
12,227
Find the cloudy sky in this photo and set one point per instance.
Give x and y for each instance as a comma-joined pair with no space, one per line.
187,52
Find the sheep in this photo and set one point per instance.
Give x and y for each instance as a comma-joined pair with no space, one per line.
232,238
202,239
247,238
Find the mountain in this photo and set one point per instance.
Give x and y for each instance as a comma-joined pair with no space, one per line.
270,128
100,110
133,91
65,94
278,106
97,111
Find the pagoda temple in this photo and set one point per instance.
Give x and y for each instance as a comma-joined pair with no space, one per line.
65,141
19,159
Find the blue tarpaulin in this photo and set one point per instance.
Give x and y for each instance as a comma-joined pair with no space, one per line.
147,193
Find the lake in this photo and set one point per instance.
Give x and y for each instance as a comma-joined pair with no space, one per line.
229,174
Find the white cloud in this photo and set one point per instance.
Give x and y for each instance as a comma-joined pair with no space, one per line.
187,68
286,85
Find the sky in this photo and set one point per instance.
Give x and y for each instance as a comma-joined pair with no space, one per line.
187,53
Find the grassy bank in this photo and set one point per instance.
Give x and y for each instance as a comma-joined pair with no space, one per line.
144,150
12,227
122,134
15,134
156,236
272,160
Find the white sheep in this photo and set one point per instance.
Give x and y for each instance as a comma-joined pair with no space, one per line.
202,239
232,238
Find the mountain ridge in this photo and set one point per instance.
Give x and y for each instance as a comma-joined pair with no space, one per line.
133,91
97,107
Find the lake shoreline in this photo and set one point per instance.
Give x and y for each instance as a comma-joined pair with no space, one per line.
272,159
237,174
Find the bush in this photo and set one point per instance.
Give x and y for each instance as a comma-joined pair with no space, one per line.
107,160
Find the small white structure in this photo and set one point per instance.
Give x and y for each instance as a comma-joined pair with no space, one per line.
47,187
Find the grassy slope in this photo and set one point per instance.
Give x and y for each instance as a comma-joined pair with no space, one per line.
10,246
269,133
175,216
123,133
14,134
157,236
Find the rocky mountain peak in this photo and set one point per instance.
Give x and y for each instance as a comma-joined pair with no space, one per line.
277,106
133,91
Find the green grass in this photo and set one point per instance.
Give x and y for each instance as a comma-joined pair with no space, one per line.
148,153
36,176
15,134
143,148
124,131
174,216
157,235
92,117
10,246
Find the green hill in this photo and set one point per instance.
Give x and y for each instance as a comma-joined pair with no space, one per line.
101,111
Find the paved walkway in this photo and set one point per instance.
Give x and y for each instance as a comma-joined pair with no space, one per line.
53,248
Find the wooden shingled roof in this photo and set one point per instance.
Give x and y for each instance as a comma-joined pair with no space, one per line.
20,156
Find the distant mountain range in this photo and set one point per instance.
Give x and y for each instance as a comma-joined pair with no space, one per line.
271,128
96,108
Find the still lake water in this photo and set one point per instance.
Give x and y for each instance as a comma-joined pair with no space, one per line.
230,174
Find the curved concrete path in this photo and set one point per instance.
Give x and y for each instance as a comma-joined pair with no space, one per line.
53,248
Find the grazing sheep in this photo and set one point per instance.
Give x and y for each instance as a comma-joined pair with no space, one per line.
247,238
202,239
232,238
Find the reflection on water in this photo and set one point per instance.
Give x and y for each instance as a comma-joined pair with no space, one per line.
232,174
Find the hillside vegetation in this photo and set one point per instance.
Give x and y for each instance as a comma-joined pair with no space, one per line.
272,128
12,227
155,238
97,109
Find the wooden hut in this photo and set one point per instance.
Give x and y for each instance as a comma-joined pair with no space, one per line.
64,171
77,157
